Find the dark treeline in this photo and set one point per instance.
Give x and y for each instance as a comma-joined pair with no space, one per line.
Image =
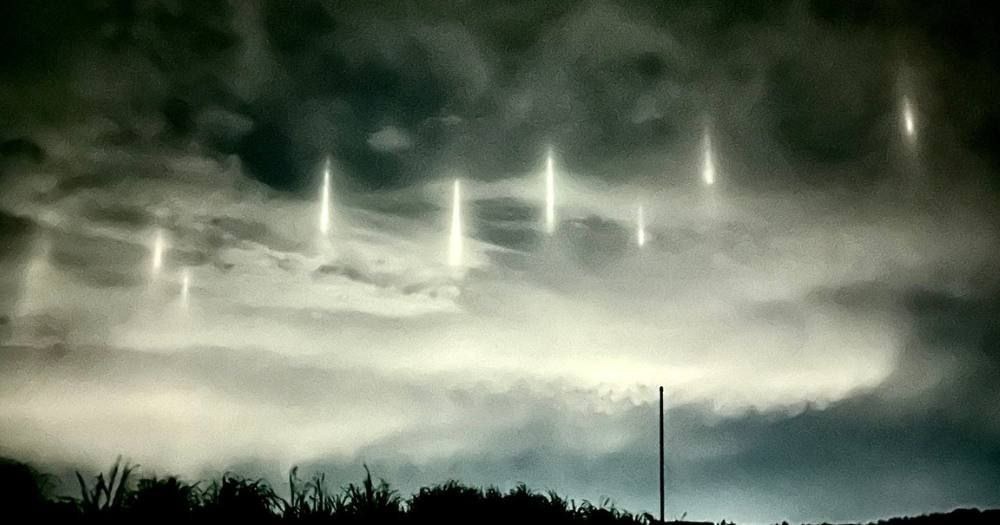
119,496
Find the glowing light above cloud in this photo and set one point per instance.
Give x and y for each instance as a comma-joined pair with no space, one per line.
455,235
708,160
324,201
185,288
38,279
640,234
909,119
550,194
157,259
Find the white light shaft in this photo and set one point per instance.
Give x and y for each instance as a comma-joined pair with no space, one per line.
185,287
909,119
640,235
37,279
157,262
550,195
708,163
455,237
324,207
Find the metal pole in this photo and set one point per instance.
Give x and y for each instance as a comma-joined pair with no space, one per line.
661,454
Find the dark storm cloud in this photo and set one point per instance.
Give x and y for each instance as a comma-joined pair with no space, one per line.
612,85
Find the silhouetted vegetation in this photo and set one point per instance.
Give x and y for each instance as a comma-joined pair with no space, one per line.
118,497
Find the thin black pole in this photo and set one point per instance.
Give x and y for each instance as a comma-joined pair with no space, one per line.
661,454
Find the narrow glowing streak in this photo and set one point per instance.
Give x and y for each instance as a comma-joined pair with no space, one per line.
550,194
455,237
157,262
708,163
38,284
324,207
909,119
185,287
640,235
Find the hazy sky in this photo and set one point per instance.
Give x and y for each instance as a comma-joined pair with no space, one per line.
825,318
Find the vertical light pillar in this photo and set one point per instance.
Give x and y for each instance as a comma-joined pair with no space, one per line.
455,239
550,194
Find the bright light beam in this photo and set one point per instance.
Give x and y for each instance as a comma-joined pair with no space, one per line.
185,288
550,194
455,237
909,119
708,161
324,206
640,235
38,283
157,262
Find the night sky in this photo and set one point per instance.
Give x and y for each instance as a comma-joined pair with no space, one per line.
825,317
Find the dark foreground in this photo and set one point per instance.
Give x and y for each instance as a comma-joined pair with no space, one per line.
119,496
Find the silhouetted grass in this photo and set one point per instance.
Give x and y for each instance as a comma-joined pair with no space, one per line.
311,501
117,497
108,495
